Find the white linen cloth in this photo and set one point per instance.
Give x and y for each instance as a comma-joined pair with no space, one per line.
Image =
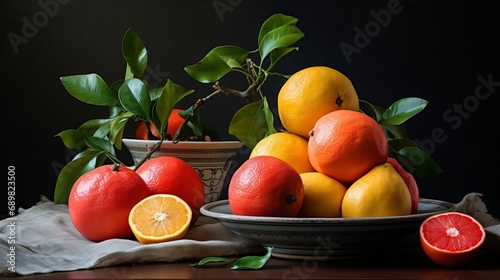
473,205
46,241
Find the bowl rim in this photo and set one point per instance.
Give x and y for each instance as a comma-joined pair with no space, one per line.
225,217
230,144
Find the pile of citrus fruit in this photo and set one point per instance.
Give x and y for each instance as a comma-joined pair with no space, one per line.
330,161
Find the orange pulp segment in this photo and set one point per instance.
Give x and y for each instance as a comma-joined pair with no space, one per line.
160,218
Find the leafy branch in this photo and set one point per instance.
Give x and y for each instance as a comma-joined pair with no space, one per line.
403,149
130,99
254,121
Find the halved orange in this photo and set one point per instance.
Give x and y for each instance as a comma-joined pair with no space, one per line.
160,218
451,238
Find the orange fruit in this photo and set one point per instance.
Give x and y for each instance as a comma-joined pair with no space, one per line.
101,199
171,175
266,186
289,147
451,238
311,93
322,196
346,144
410,181
380,192
160,218
174,122
140,131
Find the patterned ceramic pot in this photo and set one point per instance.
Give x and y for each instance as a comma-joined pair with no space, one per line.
211,160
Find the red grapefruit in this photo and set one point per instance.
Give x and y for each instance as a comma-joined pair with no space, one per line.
100,201
171,175
451,238
266,186
410,181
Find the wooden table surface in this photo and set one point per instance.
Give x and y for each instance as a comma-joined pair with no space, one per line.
388,265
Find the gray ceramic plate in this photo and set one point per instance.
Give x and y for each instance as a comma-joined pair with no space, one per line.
331,237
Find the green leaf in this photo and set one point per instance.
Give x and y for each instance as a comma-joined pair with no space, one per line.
134,97
69,174
402,110
283,36
134,53
210,69
170,96
103,130
208,260
376,112
269,117
156,92
233,63
249,124
230,52
89,127
398,144
273,22
100,144
117,129
116,86
253,262
396,131
417,162
89,88
72,139
278,53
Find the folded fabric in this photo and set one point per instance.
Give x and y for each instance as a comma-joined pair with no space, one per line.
46,241
473,205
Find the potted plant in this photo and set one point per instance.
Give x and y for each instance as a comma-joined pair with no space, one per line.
131,100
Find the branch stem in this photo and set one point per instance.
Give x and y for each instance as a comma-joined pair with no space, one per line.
148,155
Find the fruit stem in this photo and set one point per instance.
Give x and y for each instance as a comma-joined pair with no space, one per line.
115,167
148,155
250,95
291,199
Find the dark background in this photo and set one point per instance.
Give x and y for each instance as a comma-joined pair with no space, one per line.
436,50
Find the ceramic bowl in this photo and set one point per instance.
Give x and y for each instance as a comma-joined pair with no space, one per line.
211,160
325,237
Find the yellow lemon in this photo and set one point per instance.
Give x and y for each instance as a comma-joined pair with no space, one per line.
286,146
311,93
322,196
380,192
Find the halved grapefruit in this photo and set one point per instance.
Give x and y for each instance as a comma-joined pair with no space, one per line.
451,238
